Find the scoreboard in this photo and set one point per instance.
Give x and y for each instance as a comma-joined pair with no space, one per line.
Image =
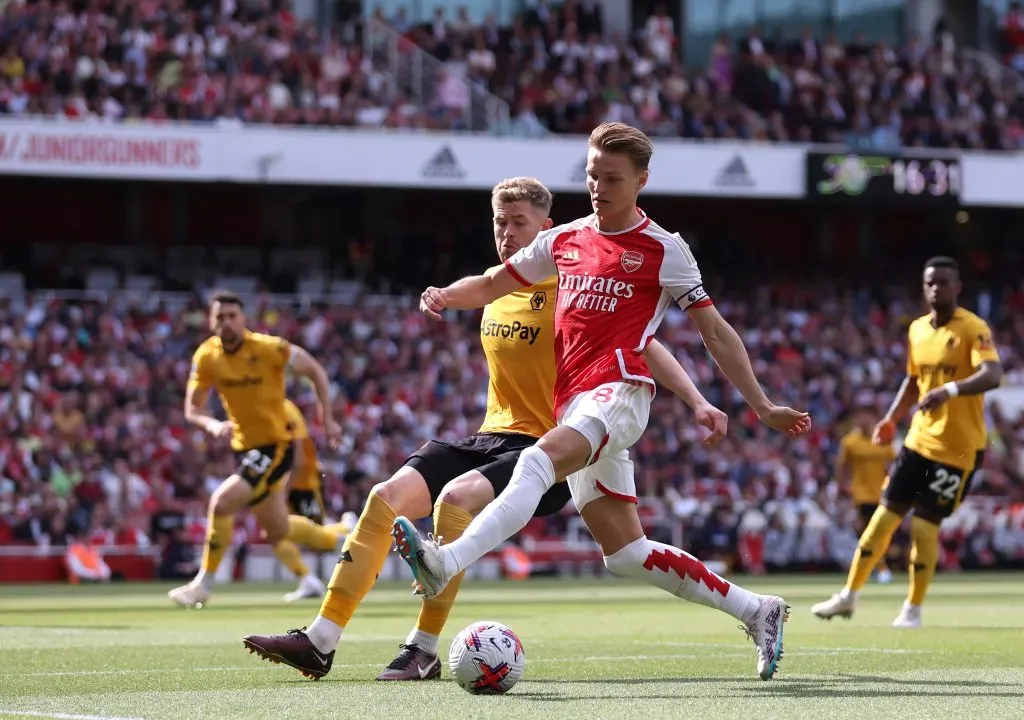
880,178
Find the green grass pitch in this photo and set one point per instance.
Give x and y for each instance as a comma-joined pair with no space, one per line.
596,649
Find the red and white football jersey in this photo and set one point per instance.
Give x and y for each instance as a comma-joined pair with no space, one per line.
613,292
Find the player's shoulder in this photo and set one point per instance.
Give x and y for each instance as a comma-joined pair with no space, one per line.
969,321
922,323
266,342
583,224
671,241
208,348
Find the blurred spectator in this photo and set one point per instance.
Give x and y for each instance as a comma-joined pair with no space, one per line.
556,66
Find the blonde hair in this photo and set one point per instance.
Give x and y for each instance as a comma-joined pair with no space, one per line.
529,189
615,137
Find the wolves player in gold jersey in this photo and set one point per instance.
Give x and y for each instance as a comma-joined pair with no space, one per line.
248,371
517,335
866,463
951,363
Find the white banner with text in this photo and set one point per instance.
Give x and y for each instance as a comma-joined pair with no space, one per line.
377,158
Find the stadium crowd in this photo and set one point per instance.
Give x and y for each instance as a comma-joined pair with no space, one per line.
94,446
556,66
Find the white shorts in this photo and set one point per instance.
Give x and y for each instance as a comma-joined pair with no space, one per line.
612,417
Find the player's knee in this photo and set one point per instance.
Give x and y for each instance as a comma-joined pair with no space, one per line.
567,449
896,508
275,533
401,494
470,495
629,560
221,503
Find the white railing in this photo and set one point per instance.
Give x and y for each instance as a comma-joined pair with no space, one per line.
415,74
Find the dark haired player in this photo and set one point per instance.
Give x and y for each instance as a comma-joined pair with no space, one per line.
951,363
248,371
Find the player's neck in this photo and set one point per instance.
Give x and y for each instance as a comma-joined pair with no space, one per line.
941,317
619,221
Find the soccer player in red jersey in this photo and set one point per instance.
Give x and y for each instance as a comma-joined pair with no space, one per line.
617,272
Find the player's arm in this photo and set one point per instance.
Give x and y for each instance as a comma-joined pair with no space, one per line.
680,276
668,373
528,266
304,364
906,398
197,392
985,378
726,346
469,292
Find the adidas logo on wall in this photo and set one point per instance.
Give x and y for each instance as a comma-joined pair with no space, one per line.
734,174
444,165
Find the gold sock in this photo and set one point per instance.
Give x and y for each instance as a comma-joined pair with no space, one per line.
304,531
872,546
218,539
450,521
362,558
924,556
288,553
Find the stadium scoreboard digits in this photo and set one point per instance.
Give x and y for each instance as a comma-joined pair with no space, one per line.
891,179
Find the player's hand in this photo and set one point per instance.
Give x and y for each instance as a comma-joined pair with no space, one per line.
884,432
933,399
433,301
332,431
714,420
786,420
222,428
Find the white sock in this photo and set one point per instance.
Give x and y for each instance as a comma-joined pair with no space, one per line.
506,515
847,594
684,576
206,579
324,634
423,640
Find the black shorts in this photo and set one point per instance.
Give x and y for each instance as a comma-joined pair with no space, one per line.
493,455
308,504
263,467
932,488
865,511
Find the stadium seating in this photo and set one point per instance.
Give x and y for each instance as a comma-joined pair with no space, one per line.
91,391
560,73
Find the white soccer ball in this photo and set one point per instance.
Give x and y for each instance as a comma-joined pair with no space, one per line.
487,658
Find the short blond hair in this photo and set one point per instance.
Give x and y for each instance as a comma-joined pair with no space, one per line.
616,137
529,189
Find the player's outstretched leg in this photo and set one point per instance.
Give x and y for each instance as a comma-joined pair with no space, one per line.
614,523
226,500
924,557
418,658
686,577
874,543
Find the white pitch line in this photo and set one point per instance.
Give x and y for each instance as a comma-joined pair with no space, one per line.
63,716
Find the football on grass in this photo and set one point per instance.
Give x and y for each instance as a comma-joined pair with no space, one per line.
487,658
